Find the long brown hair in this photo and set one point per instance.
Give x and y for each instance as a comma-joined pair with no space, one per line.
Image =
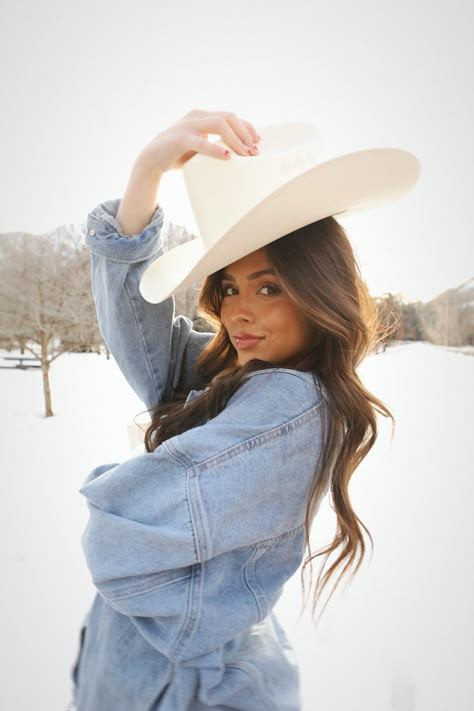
317,267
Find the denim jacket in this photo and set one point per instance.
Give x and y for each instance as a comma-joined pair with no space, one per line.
189,546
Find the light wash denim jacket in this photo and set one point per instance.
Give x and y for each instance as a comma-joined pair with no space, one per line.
190,546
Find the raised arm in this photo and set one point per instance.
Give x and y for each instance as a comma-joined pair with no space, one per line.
150,345
153,348
139,201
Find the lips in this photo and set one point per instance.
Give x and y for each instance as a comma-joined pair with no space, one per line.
245,341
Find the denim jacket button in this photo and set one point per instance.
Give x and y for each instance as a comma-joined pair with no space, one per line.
91,232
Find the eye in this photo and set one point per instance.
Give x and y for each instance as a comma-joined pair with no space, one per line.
269,289
228,290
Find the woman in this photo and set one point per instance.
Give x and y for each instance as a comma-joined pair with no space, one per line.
191,543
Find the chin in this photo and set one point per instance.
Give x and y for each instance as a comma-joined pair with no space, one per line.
248,358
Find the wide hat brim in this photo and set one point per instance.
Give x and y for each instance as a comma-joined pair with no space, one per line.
342,186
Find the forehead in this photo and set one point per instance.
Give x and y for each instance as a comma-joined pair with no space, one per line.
253,262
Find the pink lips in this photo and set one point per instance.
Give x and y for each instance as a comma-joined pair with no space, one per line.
246,340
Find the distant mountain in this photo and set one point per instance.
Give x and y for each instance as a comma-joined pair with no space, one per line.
70,233
448,319
468,288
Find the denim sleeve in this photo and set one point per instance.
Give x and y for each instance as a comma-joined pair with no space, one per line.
140,523
151,345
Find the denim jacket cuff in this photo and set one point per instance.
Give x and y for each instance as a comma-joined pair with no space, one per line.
105,238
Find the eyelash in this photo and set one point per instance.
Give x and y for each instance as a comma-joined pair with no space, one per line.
265,285
270,285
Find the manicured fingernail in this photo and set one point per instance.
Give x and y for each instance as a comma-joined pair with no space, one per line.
226,153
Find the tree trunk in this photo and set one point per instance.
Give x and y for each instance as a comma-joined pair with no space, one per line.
48,410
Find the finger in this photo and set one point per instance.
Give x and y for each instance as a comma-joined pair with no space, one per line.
252,130
233,119
220,126
201,145
243,129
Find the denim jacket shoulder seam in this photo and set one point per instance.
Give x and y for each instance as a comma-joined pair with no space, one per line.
252,442
195,579
199,526
309,377
196,517
177,453
302,375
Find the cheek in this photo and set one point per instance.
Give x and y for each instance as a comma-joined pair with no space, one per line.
287,321
282,317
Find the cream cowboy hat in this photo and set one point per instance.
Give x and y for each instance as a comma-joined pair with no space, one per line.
243,203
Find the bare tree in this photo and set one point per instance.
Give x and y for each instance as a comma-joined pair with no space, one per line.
186,300
389,308
46,303
412,327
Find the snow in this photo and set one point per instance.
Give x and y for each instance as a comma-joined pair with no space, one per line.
400,636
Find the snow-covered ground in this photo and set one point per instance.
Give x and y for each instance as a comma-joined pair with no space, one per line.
400,637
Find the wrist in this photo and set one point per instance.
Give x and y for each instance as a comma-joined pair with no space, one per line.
144,169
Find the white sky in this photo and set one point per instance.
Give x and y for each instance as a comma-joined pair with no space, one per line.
86,85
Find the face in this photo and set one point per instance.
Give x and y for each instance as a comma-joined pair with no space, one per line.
258,315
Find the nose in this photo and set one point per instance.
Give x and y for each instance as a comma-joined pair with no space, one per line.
242,311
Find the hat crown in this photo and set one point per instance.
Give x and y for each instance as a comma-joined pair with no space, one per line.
221,191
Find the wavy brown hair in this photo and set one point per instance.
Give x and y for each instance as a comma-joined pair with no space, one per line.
317,267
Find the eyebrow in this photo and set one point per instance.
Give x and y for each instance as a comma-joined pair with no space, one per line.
254,275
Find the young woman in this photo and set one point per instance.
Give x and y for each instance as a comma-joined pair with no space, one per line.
190,544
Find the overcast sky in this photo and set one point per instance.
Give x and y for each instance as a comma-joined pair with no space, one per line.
85,85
